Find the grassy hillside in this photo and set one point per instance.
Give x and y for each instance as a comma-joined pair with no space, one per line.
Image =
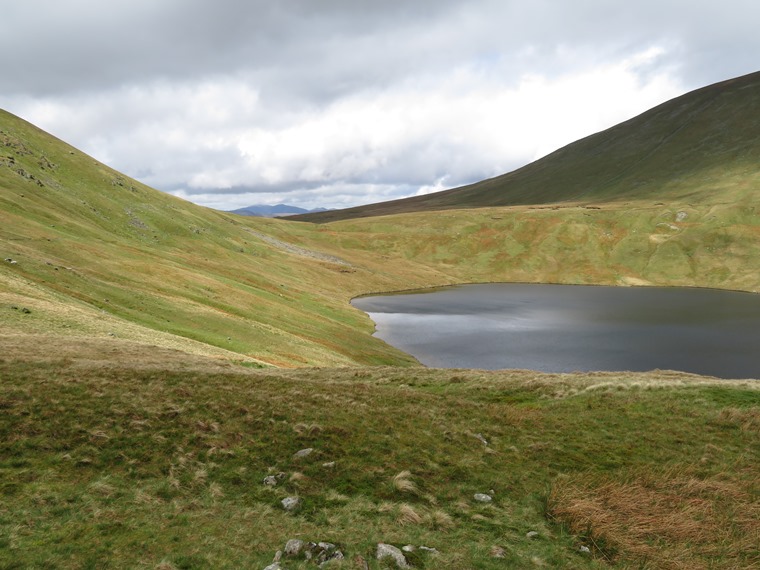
114,455
97,253
701,147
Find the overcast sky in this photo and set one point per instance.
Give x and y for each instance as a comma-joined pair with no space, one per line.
334,103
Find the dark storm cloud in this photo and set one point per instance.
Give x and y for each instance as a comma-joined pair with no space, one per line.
232,100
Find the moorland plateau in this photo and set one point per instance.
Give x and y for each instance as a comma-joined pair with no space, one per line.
159,359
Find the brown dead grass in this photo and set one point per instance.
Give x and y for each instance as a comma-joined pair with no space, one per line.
746,419
671,520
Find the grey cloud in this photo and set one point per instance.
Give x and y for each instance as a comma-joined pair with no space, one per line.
171,89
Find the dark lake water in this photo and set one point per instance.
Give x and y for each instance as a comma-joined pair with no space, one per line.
565,328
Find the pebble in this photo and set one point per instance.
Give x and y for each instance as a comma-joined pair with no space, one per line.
291,503
390,551
303,453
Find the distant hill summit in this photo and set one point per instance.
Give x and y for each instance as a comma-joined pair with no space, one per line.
690,147
279,210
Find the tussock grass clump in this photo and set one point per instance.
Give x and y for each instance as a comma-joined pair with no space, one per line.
403,483
745,419
408,515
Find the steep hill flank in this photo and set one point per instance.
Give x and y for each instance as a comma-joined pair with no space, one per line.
89,252
700,147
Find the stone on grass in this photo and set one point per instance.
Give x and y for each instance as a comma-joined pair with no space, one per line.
327,552
390,551
290,503
482,498
429,550
498,552
531,534
303,453
293,547
585,550
270,481
274,566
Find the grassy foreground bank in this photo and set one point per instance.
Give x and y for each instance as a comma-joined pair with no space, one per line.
115,455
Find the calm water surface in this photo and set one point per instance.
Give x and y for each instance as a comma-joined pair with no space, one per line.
564,328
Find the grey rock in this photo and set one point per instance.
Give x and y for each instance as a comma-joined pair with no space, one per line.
303,453
531,534
277,556
291,503
294,547
429,550
585,550
390,551
409,548
482,498
274,566
270,481
327,552
335,555
681,216
482,439
498,552
329,465
309,549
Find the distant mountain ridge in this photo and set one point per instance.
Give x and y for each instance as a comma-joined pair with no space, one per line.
690,147
268,211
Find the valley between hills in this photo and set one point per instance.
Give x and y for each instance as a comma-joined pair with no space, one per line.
161,360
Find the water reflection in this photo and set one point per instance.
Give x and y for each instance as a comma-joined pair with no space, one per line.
561,328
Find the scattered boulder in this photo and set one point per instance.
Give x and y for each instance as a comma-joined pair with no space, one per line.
681,216
270,481
294,548
498,552
426,549
327,552
319,552
291,503
275,565
585,550
482,498
303,453
531,534
329,465
482,439
390,551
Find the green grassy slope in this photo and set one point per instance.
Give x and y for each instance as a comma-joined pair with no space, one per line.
117,456
701,147
97,253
